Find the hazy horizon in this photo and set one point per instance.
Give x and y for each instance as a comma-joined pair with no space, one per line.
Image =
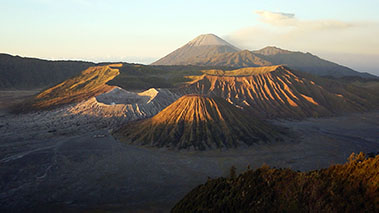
106,31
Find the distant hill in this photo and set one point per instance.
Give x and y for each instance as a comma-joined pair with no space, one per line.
89,83
203,46
306,62
196,122
202,52
368,83
351,187
279,92
30,73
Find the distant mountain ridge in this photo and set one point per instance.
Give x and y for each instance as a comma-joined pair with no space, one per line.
28,73
306,62
221,53
204,51
271,50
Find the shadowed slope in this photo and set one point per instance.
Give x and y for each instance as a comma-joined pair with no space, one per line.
306,62
90,83
198,123
277,92
31,73
243,58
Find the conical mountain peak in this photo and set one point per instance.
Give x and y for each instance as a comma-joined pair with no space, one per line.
202,47
209,40
198,122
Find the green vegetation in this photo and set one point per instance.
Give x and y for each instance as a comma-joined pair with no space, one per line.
350,187
232,172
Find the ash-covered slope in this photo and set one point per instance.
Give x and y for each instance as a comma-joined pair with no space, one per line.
243,58
128,105
278,92
197,122
203,46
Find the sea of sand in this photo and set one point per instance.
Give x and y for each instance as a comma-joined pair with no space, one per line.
60,161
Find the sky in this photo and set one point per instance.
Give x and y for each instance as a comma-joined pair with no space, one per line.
346,32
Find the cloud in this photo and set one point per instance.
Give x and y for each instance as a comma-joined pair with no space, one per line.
280,19
329,36
276,18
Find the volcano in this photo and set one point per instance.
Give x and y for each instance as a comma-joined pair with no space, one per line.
203,46
196,122
211,50
279,92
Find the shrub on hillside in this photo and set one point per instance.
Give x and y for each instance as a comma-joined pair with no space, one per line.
350,187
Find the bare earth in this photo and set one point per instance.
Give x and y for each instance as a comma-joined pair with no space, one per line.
62,162
10,97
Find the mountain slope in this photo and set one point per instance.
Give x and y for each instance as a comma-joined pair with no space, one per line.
307,62
203,46
30,73
278,92
210,50
243,58
304,62
89,83
197,122
116,107
351,187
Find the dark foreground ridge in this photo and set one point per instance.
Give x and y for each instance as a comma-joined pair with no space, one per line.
350,187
